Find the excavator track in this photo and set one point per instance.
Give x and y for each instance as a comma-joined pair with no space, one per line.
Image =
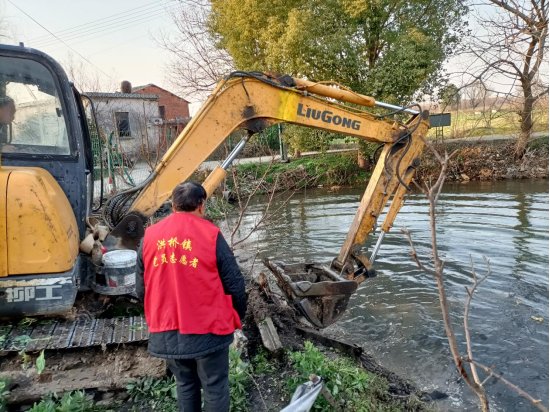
64,334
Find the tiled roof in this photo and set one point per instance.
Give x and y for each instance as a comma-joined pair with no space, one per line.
119,95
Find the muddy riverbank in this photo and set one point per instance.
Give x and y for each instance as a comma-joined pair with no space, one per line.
488,161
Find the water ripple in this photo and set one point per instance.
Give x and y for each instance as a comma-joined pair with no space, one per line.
396,315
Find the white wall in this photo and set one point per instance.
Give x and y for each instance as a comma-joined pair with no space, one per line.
140,113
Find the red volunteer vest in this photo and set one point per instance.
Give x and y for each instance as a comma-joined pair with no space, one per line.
183,289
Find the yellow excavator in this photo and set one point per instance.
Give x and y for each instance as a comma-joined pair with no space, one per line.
47,175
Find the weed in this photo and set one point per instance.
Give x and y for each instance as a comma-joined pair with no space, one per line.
349,384
540,143
239,380
25,359
4,392
261,364
76,401
40,363
25,322
155,394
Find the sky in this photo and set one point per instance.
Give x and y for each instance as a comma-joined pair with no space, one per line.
111,40
115,39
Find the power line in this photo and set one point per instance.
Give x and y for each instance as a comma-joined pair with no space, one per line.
123,22
104,30
91,23
34,20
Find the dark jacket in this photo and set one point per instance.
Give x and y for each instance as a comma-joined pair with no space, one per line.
173,344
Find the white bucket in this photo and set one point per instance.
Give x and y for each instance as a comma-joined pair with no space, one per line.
119,269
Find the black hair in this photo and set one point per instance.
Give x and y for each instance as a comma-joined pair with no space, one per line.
188,196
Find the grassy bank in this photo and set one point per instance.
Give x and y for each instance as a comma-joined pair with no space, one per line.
478,122
263,382
473,161
329,169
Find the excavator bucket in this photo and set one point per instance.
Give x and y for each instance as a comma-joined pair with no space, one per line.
318,292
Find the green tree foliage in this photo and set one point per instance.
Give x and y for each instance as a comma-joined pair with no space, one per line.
305,139
385,48
449,96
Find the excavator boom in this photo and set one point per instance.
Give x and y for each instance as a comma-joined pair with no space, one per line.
255,101
253,104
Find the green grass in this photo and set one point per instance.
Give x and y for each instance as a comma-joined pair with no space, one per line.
350,385
466,123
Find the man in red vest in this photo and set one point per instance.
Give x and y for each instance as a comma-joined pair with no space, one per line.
194,298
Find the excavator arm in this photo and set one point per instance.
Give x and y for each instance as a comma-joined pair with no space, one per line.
255,101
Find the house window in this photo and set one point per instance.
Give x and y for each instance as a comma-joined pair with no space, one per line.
162,112
122,124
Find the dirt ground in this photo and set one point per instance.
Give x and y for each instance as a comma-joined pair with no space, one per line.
101,369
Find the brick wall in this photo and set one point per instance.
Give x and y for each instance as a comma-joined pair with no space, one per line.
174,106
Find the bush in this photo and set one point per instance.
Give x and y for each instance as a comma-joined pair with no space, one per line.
327,170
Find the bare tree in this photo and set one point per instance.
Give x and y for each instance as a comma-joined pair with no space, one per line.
283,187
85,77
465,364
196,64
511,48
474,94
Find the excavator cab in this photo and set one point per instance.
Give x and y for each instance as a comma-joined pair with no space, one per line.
45,176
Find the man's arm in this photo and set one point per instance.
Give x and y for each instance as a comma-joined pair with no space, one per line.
231,276
140,284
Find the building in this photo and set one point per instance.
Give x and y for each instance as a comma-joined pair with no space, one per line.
173,110
131,119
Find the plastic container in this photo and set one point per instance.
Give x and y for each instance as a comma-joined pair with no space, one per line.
119,272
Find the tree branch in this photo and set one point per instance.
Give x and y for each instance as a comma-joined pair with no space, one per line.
537,403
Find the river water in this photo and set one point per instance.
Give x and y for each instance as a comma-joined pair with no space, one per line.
396,315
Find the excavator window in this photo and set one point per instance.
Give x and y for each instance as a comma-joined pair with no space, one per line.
36,123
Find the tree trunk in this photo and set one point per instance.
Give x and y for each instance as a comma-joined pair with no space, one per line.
362,163
526,123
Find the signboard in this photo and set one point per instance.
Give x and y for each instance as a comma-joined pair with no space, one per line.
440,119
